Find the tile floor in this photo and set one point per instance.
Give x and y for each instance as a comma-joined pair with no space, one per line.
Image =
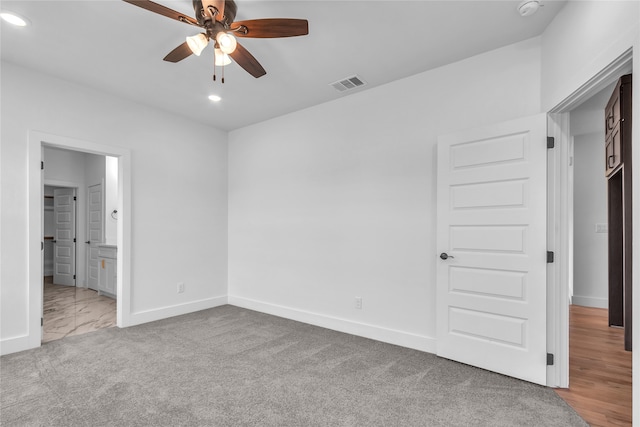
73,311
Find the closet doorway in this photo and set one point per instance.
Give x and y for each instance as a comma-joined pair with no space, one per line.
600,380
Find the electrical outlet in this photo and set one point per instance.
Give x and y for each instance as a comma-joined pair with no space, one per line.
180,287
359,303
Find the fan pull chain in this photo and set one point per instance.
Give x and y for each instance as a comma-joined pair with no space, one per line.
214,68
214,65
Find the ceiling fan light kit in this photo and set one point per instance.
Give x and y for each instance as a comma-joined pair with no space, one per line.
227,42
216,18
221,58
197,43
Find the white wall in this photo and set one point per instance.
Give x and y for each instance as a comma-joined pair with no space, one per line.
64,165
583,39
110,199
338,200
590,207
94,169
179,195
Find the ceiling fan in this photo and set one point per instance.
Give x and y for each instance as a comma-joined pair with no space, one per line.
216,18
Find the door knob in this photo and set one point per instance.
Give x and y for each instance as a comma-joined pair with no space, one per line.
88,242
54,241
444,255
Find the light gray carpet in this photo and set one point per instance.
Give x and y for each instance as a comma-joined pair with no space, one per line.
233,367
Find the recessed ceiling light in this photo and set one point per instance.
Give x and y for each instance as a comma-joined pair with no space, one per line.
14,19
215,98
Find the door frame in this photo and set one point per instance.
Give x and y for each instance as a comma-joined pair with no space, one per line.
66,184
38,140
560,221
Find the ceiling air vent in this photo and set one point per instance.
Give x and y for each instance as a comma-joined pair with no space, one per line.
348,84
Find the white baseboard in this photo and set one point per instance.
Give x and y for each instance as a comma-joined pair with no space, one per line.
378,333
590,301
15,344
21,343
141,317
391,336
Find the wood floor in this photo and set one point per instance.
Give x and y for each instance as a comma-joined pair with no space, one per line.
73,311
599,369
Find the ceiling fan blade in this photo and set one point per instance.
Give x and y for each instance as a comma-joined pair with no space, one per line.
162,10
179,53
271,27
218,4
247,61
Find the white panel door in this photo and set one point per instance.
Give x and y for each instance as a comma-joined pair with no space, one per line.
95,227
491,242
64,245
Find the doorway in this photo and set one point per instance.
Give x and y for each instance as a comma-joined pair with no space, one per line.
574,284
121,231
74,183
60,212
561,214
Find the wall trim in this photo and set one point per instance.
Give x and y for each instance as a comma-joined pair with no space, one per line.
590,301
15,344
623,64
378,333
146,316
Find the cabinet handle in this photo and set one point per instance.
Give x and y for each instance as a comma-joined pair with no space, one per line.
611,160
610,122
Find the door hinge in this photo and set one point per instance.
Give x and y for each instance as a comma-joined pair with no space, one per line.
74,277
41,165
42,321
549,359
42,246
551,142
550,256
74,240
75,198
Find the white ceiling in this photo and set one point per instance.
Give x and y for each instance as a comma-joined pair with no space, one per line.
116,47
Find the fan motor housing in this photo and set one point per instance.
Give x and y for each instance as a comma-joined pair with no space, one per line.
230,10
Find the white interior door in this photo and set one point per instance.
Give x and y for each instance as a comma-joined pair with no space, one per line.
95,227
491,276
64,245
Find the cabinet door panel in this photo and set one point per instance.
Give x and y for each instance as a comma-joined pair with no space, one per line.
613,151
612,112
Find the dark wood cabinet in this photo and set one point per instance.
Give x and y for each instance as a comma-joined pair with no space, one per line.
613,119
618,168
